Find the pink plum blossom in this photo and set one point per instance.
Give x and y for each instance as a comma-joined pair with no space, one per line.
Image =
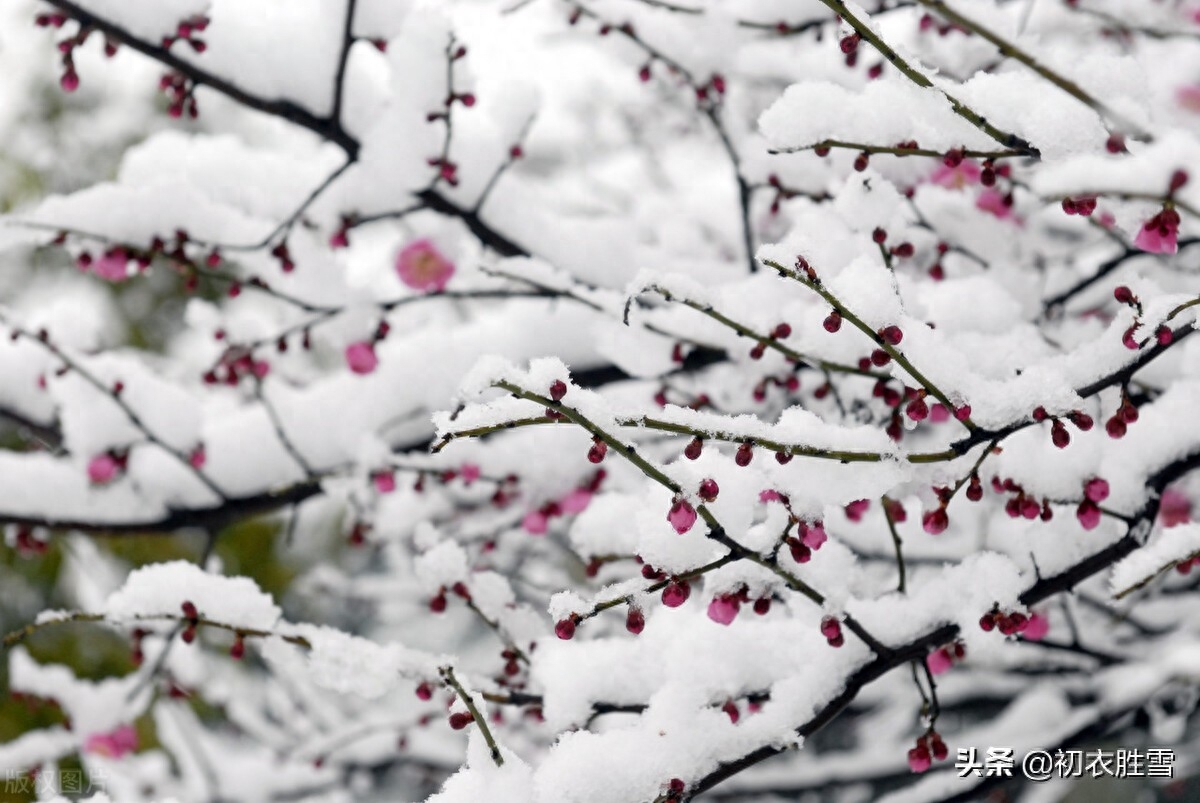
723,609
113,266
576,501
114,744
422,267
535,522
964,173
814,535
1160,234
1174,509
991,200
939,661
1036,628
384,481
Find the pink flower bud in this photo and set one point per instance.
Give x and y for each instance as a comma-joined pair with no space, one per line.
1096,489
682,516
535,522
361,357
723,609
103,468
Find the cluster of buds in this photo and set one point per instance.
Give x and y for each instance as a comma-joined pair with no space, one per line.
1007,623
1084,205
283,256
809,538
903,250
537,521
789,382
180,92
70,78
782,193
1125,414
929,748
1095,491
512,667
697,402
1058,431
1162,335
831,629
28,543
438,603
189,31
234,365
447,170
712,91
1020,505
780,332
723,608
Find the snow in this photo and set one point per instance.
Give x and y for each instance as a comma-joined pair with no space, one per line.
1164,550
624,207
160,589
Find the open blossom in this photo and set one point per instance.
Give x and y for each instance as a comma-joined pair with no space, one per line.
1160,234
113,266
964,173
114,744
723,609
576,501
992,201
1174,509
361,357
469,473
813,535
939,661
422,267
1036,628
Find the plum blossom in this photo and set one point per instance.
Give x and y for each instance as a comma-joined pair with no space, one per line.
939,661
113,266
992,201
957,177
1160,234
576,501
114,744
1037,627
1175,508
723,608
423,267
536,522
